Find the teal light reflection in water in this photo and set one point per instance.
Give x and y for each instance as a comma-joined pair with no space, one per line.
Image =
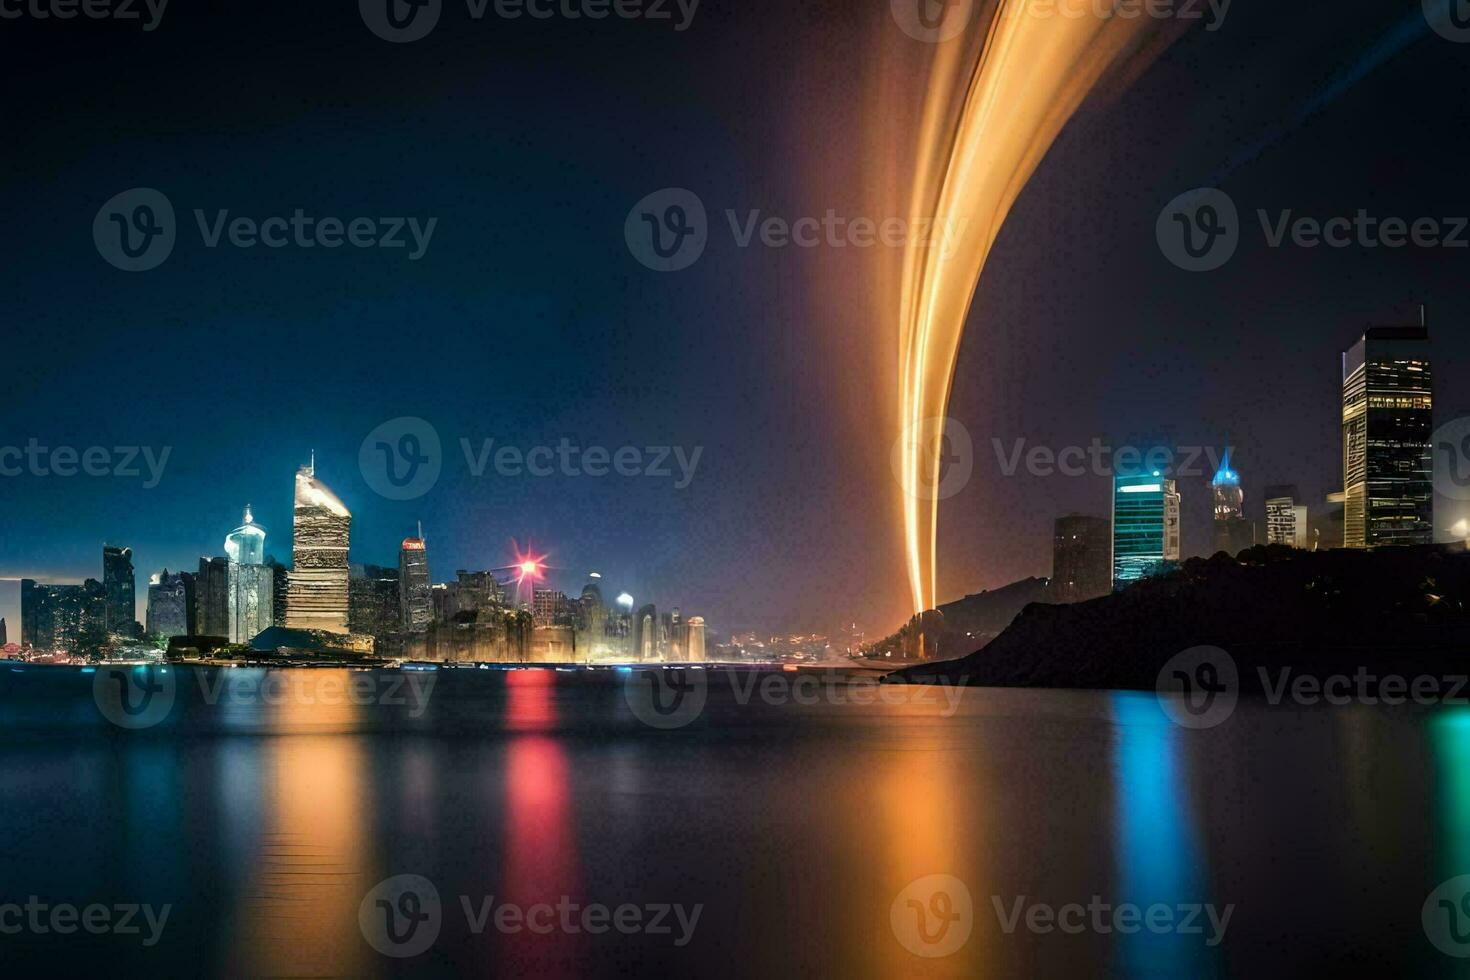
1158,854
1449,734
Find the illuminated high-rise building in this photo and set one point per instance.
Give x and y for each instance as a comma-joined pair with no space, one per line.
1286,520
249,582
694,644
1145,527
1387,421
120,612
1233,533
316,593
415,591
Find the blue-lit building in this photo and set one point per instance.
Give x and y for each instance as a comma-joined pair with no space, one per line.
1233,533
1145,527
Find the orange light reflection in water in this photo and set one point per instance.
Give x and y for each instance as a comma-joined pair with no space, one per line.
299,913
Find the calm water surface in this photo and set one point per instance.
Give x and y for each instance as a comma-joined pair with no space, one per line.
265,821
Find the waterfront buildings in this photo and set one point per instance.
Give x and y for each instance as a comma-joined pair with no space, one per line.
212,597
63,617
1387,420
645,633
694,643
374,600
415,592
1081,558
1145,527
316,594
120,614
249,582
1286,519
171,604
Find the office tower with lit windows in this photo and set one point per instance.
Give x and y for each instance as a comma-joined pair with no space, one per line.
1081,555
1233,533
1286,519
375,600
316,593
250,582
1145,527
120,612
415,591
1387,421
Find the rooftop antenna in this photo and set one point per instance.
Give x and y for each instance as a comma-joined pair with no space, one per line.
421,530
248,518
1423,316
313,464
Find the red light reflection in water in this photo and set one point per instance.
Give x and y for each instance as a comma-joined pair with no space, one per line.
540,853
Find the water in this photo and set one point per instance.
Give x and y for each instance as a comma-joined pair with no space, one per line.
264,821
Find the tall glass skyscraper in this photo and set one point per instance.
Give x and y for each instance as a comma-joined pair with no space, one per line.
1145,527
316,596
250,582
1387,421
415,592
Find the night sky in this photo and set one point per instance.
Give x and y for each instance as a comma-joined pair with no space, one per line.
527,320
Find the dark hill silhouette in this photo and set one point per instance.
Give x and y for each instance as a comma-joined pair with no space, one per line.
963,625
1399,610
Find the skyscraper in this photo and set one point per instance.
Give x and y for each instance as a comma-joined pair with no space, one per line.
1387,420
645,633
374,600
4,637
1233,533
212,597
415,596
1145,527
120,611
1286,520
1081,552
169,600
694,630
316,596
249,582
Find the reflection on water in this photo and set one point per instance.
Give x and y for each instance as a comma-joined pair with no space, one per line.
794,827
1158,855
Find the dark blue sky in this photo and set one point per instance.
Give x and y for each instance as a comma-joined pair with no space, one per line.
527,320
